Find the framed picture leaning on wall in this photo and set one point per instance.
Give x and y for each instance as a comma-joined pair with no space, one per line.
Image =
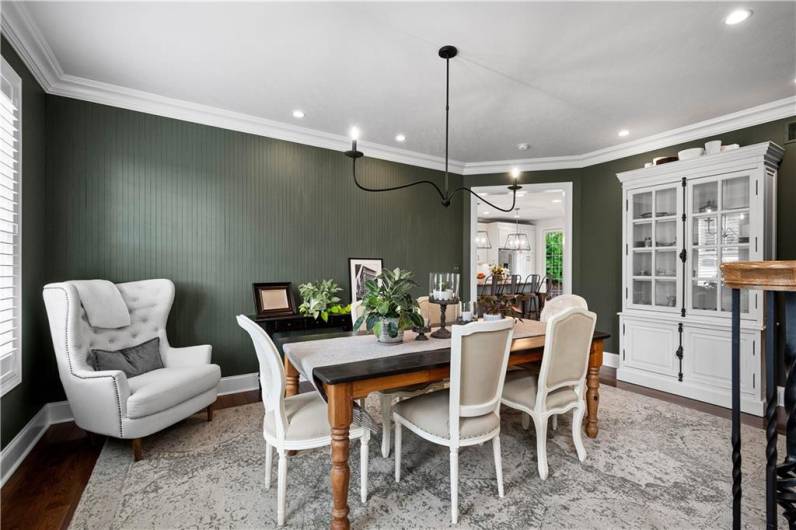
274,299
360,270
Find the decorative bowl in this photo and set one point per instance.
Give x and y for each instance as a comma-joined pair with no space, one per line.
690,154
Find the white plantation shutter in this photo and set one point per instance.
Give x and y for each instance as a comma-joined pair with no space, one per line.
10,257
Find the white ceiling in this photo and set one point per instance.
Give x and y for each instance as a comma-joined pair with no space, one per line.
533,206
563,77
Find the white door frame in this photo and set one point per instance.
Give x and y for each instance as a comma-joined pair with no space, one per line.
566,187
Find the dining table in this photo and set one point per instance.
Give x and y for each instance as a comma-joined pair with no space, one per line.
345,366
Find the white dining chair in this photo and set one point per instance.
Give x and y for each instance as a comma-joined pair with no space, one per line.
467,413
561,303
553,307
560,385
293,423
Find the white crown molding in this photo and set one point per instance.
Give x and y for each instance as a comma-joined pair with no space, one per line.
775,110
30,44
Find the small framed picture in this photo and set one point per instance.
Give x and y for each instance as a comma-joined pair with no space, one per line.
274,299
361,270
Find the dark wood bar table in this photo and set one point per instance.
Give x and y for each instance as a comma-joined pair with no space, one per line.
343,383
778,280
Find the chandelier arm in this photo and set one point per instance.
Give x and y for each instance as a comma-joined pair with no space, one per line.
474,194
393,188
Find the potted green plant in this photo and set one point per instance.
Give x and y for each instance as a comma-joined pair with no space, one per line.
496,307
319,299
388,305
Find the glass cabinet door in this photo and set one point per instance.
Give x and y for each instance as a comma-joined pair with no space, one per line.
719,211
652,248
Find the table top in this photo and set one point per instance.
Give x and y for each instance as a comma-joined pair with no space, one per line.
383,366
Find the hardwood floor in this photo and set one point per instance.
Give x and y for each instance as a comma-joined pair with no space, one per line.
45,490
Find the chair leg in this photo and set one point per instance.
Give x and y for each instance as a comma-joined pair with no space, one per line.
541,444
397,451
363,466
454,485
138,450
498,464
362,403
577,429
269,461
386,424
554,422
281,488
210,413
526,420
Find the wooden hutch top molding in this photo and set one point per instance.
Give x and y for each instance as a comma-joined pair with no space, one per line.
764,275
719,162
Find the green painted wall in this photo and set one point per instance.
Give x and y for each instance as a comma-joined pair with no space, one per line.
134,196
20,404
597,217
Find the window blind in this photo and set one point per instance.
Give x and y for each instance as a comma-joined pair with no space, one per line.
10,256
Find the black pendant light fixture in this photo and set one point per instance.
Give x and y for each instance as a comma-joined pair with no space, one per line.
446,52
518,240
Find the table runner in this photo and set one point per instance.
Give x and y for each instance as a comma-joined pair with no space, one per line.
307,356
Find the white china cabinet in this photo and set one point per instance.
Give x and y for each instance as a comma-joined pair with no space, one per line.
680,222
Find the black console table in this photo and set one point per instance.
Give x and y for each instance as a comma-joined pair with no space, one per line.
778,280
279,324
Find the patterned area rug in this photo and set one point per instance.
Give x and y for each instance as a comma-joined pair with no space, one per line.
654,465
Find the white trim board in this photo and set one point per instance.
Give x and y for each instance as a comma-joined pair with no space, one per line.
17,449
611,359
26,38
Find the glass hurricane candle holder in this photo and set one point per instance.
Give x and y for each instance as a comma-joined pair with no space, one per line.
444,286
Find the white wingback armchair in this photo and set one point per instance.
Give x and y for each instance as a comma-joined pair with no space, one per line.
108,402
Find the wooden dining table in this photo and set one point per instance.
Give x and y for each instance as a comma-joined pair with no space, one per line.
346,382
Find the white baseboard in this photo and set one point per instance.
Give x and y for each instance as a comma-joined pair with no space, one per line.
17,449
611,359
238,383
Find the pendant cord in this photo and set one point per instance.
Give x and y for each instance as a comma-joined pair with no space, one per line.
447,116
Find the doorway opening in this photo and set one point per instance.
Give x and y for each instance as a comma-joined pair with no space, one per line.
531,244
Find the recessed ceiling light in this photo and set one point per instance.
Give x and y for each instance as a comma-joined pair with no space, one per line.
737,16
520,194
523,147
624,132
298,113
400,138
556,201
486,213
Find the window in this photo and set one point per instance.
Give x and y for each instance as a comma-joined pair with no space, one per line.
10,189
554,261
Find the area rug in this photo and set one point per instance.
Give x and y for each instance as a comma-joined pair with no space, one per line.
653,465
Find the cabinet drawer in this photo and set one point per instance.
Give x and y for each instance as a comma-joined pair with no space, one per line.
289,324
651,346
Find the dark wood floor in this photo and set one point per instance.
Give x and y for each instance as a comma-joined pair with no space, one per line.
44,492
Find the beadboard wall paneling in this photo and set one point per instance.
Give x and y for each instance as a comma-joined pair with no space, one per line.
133,196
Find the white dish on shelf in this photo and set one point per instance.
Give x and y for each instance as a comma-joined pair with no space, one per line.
731,147
689,154
712,147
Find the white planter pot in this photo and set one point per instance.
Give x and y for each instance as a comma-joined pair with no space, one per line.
490,318
384,336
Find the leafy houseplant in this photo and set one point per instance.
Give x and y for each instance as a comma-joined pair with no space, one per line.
496,307
319,299
388,306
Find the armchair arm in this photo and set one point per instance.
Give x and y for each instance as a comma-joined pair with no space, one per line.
99,400
188,356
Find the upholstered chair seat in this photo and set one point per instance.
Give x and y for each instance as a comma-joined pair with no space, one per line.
430,414
107,402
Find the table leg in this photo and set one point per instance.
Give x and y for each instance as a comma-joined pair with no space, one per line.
340,416
593,387
291,379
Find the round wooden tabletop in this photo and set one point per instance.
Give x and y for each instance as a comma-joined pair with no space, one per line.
765,275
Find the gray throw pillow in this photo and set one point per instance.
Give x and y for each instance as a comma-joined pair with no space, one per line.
133,361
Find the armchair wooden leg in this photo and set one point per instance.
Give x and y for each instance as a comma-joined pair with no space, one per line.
210,413
138,450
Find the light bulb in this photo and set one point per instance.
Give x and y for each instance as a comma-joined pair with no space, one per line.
354,133
737,16
515,173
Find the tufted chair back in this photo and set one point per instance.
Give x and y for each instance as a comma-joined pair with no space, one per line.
149,303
